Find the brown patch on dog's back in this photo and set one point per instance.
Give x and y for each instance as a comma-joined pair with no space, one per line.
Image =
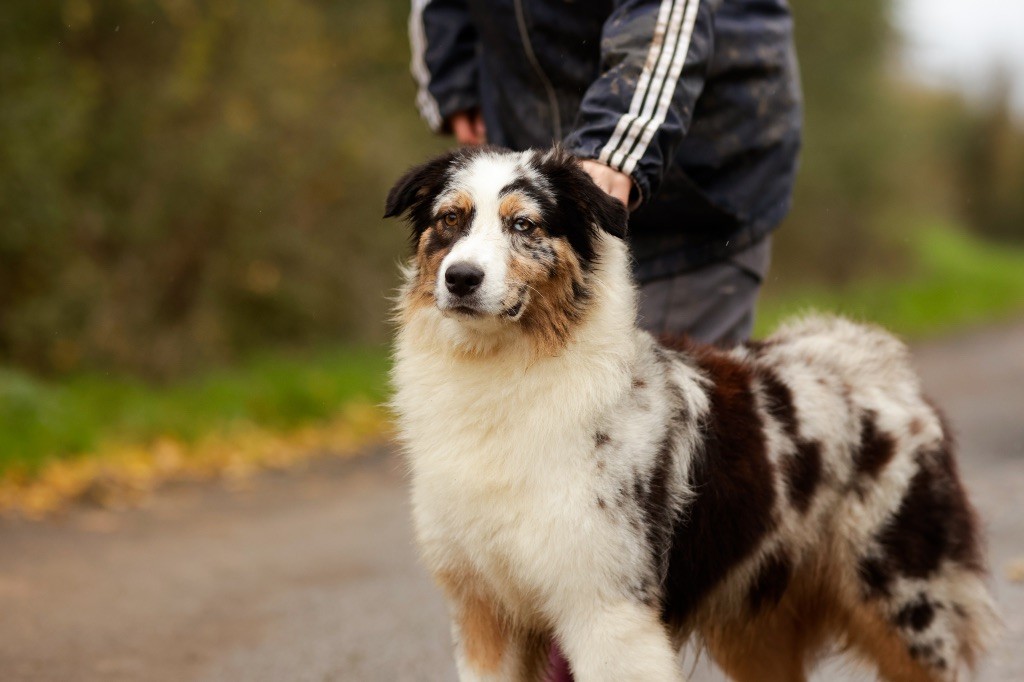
732,510
680,343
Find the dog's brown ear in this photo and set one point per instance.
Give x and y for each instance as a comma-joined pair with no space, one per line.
418,185
577,192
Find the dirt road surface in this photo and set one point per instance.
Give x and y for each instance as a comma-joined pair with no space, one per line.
311,575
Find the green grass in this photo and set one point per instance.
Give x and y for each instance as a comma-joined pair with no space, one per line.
40,420
957,281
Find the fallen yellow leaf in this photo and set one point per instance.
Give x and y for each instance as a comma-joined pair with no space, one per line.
119,475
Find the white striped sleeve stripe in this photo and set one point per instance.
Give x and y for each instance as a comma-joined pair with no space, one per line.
655,87
653,92
418,41
653,55
669,90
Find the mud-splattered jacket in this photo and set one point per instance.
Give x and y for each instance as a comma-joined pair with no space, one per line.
697,100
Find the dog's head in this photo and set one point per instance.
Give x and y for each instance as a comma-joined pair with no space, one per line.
505,238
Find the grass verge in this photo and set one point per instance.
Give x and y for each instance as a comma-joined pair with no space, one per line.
956,281
93,435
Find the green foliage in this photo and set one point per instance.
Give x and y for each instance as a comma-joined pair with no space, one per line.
43,420
954,280
849,160
989,146
183,181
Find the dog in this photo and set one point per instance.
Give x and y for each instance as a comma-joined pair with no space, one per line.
577,483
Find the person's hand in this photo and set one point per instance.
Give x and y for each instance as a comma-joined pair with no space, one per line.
617,184
468,127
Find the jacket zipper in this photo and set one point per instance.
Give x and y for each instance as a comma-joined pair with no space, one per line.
531,56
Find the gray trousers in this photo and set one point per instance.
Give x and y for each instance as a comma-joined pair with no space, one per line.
713,304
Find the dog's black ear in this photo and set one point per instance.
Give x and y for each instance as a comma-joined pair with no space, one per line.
606,211
577,192
418,185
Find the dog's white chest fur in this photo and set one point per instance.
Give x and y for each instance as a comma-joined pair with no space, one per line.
504,476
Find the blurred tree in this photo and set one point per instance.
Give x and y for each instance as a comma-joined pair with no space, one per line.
183,180
847,163
990,143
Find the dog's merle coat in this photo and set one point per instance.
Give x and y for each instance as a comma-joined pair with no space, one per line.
577,481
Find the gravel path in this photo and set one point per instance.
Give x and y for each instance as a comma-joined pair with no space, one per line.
311,574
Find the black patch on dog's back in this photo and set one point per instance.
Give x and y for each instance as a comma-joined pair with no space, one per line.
934,522
802,471
771,581
654,504
733,492
876,449
916,615
779,401
876,575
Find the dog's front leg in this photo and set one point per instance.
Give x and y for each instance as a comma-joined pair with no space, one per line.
620,642
490,647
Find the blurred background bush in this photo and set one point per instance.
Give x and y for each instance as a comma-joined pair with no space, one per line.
184,183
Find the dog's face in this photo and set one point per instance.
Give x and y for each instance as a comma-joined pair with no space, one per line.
505,238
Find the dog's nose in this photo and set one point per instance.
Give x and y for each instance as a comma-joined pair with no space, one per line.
463,278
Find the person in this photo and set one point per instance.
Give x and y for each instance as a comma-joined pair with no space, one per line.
687,111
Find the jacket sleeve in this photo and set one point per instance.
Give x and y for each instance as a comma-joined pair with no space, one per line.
654,60
444,59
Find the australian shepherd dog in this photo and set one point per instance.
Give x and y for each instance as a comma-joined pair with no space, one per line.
579,484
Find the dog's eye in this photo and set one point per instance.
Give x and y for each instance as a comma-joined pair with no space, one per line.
450,219
523,225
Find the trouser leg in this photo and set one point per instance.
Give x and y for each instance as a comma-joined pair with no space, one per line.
712,304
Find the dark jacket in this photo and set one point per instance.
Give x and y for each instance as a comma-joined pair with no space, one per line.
697,100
